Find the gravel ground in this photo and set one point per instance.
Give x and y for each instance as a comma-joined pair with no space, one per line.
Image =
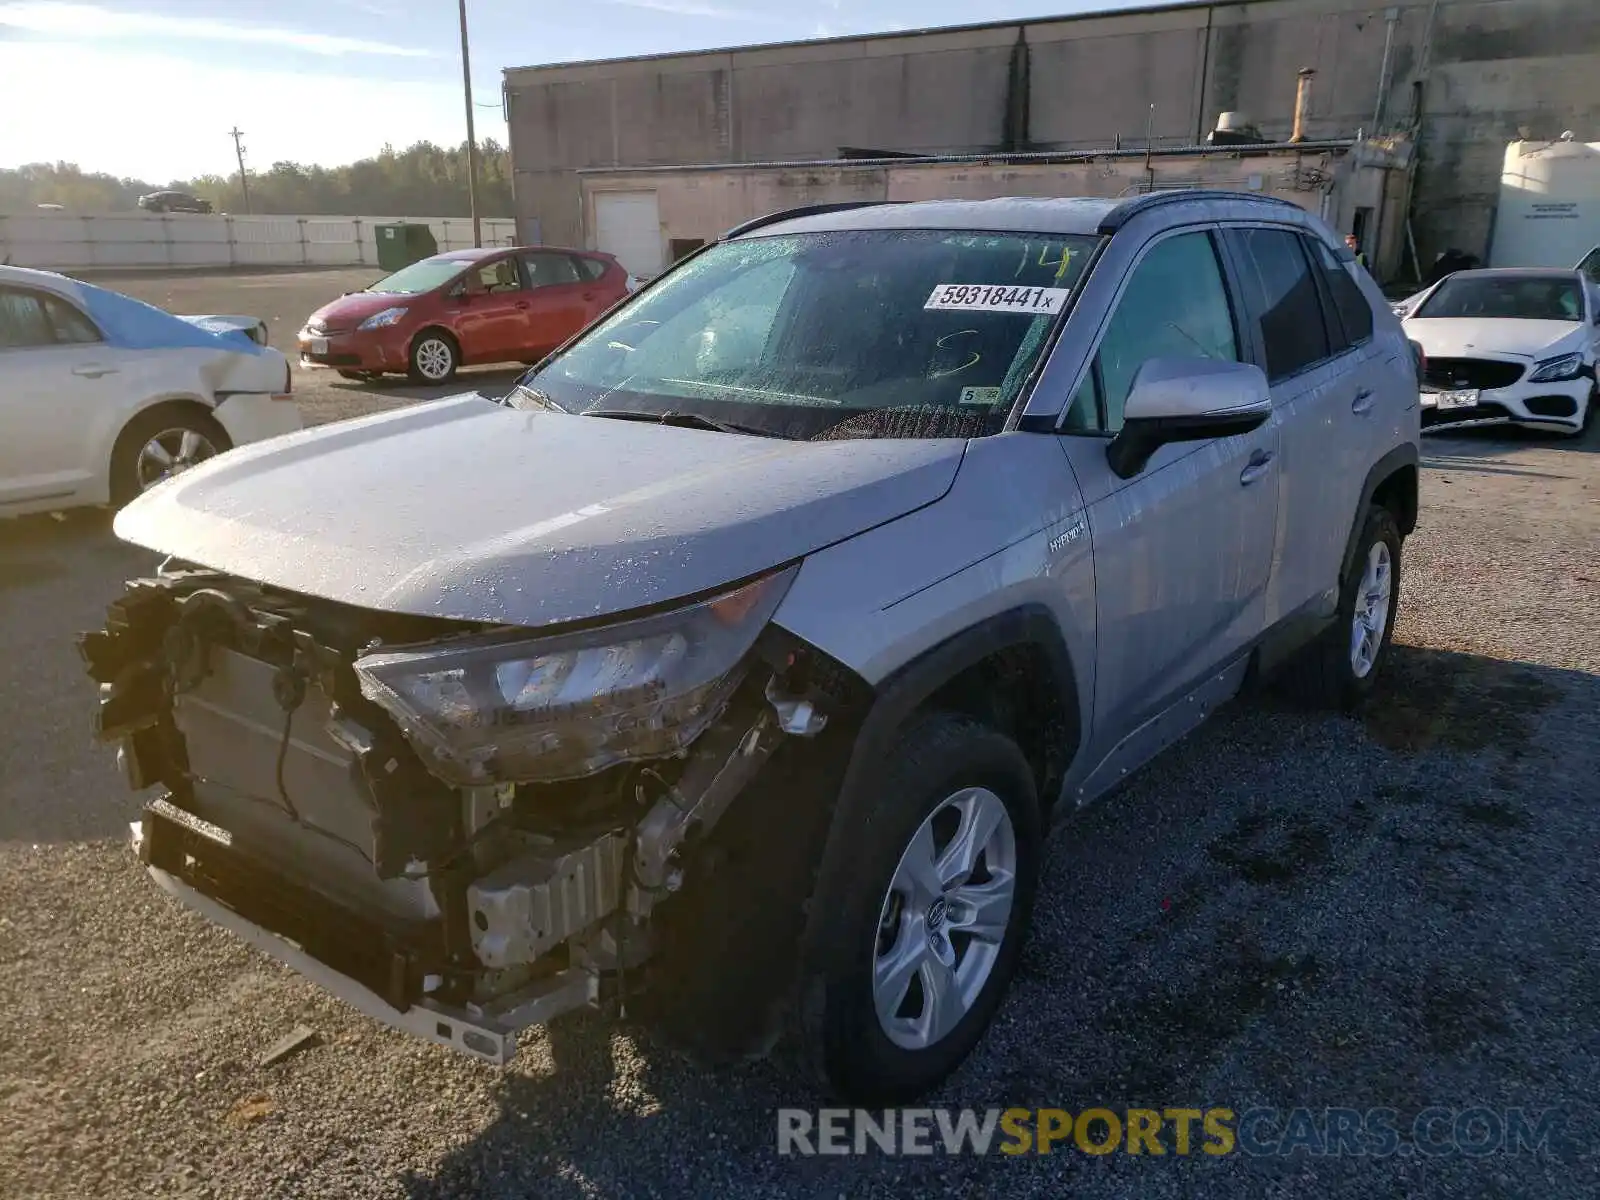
1392,910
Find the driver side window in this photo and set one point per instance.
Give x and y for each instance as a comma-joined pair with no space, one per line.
1175,305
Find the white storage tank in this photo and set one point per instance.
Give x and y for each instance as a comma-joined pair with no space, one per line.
1549,214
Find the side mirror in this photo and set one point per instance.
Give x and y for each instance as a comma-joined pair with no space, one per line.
1186,400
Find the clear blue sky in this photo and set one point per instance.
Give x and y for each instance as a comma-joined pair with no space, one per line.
149,88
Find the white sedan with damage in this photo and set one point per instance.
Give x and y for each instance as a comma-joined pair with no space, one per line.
103,396
1508,347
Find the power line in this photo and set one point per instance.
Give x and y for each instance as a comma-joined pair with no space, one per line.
238,149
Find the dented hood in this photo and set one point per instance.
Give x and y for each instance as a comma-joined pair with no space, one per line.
470,510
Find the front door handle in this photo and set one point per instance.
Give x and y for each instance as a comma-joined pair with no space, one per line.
1363,401
1260,463
93,370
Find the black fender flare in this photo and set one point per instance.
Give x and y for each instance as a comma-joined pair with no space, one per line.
894,700
1398,459
899,695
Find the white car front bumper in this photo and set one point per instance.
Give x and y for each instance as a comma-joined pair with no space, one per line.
254,416
1555,407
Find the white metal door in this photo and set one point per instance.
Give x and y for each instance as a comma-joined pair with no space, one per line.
628,225
50,397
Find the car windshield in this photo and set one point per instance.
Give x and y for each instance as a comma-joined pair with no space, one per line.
1521,297
842,334
421,276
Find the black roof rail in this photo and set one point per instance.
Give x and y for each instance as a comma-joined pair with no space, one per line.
805,210
1128,209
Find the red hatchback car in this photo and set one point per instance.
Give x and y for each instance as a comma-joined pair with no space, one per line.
463,307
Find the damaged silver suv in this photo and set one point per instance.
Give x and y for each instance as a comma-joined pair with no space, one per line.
733,667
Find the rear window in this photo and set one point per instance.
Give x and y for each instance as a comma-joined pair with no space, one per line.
1280,289
546,269
1508,297
591,268
1349,301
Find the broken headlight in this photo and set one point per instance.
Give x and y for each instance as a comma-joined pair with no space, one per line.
539,709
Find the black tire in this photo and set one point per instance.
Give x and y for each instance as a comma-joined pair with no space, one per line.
421,352
838,1026
1324,674
128,482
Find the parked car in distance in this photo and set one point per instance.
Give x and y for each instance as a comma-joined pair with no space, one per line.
174,202
746,650
1508,346
103,396
463,307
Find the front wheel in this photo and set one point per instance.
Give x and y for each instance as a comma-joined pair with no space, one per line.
917,937
1339,669
160,443
434,358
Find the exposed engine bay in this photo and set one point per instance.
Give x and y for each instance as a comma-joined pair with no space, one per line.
463,830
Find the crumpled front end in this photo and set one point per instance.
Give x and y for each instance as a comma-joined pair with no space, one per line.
461,830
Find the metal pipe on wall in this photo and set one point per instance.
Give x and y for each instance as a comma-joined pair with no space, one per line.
1302,102
1391,18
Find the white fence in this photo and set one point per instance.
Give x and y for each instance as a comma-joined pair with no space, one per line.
62,241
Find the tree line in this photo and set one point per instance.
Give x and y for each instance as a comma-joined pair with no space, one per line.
422,180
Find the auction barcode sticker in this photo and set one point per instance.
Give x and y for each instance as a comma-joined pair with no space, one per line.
996,297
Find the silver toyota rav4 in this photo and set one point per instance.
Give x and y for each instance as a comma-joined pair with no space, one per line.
731,669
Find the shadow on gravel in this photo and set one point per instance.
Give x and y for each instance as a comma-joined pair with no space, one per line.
583,1130
1428,698
1497,439
1291,910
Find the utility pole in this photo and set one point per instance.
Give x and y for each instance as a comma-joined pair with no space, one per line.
472,144
238,150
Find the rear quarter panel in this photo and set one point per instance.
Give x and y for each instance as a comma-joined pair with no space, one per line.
1392,367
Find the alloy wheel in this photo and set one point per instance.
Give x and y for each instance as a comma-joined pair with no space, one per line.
171,452
434,359
944,918
1371,616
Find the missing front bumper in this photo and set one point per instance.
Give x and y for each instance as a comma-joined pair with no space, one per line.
487,1031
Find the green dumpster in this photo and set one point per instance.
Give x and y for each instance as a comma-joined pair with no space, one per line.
403,243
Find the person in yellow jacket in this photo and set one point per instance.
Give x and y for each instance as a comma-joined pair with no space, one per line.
1354,243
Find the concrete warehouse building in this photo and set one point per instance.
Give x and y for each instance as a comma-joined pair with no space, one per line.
647,157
